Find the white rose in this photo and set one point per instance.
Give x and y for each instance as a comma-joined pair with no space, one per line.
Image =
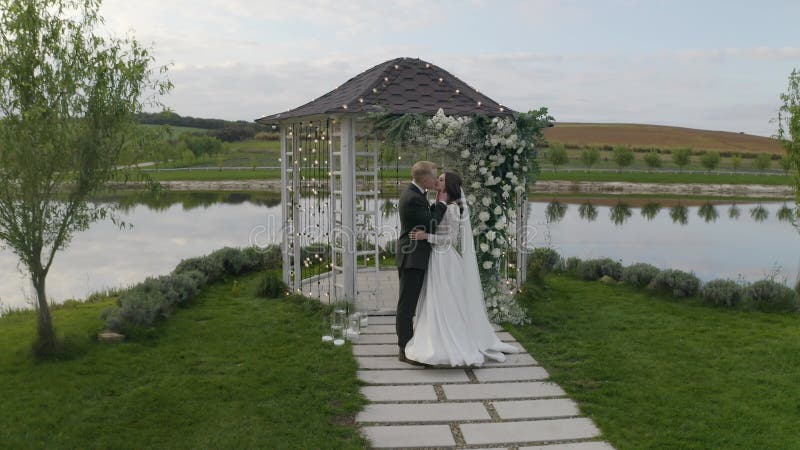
486,201
465,154
487,264
506,194
475,185
490,235
471,198
498,210
483,170
473,167
481,162
496,253
500,226
484,247
483,216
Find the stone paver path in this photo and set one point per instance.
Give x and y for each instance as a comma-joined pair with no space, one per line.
508,405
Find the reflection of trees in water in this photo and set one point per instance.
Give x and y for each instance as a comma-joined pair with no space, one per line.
555,211
759,213
734,212
620,213
651,210
190,200
708,212
679,214
786,214
587,211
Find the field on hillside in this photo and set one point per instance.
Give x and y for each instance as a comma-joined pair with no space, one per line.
657,136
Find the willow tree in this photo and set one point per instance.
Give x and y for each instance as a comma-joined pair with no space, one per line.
789,125
68,96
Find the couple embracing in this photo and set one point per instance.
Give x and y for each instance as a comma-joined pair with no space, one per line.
441,316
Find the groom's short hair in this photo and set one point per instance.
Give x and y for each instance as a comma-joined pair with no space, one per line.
422,168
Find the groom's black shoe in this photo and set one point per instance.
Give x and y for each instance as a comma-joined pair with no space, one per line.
402,358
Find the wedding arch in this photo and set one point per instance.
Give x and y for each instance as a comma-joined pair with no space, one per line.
333,150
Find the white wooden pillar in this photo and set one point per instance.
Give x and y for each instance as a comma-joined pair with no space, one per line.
297,156
522,238
348,177
285,229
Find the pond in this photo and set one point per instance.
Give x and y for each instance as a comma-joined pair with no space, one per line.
713,239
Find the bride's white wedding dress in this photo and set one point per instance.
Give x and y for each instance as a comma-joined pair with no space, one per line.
451,326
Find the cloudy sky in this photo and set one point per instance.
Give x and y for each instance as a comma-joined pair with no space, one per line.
705,64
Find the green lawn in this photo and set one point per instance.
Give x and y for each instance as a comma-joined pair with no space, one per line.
656,373
640,177
229,371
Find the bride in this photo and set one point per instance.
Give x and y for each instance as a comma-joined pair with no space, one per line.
451,326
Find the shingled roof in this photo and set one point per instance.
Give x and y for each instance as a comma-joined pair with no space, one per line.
401,85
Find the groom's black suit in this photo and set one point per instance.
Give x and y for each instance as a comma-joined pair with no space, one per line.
412,256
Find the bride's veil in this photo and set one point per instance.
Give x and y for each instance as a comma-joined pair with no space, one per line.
472,277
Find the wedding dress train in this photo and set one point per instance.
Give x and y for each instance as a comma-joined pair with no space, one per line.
451,326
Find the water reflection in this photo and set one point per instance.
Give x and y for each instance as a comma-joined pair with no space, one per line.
708,212
587,211
759,213
651,210
734,212
555,211
620,213
679,214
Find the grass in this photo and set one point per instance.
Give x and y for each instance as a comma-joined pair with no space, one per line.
655,373
657,136
230,371
667,178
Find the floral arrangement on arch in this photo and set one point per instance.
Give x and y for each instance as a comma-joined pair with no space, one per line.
496,157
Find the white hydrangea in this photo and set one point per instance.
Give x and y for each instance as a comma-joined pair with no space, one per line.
486,201
496,253
465,154
473,167
483,216
484,247
483,170
471,198
475,185
487,265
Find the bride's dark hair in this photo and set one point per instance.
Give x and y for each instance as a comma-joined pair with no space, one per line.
452,185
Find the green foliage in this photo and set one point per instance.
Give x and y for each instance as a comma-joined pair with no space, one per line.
571,264
676,282
68,95
651,210
589,157
587,211
708,212
763,161
623,156
771,296
789,125
710,160
557,155
736,162
640,274
620,212
593,269
653,160
681,157
726,293
202,145
545,258
555,211
271,285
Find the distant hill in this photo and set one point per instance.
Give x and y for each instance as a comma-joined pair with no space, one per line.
658,136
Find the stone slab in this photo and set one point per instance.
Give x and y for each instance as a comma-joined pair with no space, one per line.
423,412
376,349
384,362
511,374
597,445
514,359
377,339
497,327
491,391
402,376
413,392
380,329
505,336
536,409
380,320
406,436
528,431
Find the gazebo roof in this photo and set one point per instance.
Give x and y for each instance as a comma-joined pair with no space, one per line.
399,86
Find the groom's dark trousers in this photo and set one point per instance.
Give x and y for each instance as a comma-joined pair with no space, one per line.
412,256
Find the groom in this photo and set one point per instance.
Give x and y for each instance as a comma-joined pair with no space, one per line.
412,255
